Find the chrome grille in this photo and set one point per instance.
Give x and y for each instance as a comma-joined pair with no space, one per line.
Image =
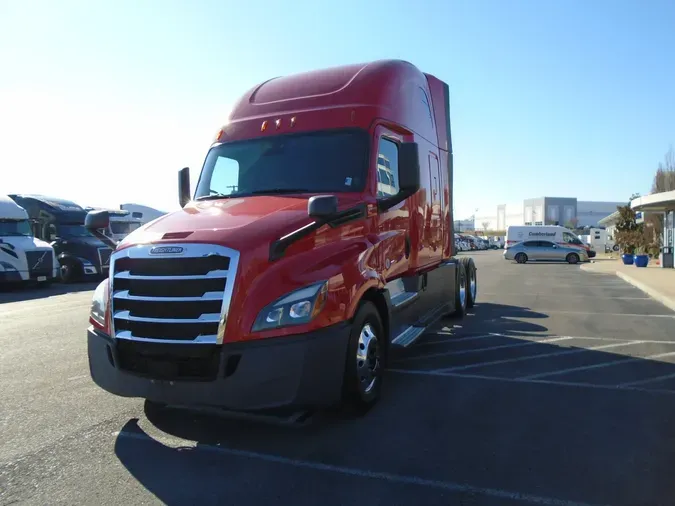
39,263
172,297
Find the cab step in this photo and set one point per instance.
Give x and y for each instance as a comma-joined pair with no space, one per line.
408,336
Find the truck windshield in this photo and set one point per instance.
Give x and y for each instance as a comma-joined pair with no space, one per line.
302,163
73,231
15,228
123,227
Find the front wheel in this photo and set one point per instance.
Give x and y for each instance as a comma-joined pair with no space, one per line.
365,359
69,272
573,258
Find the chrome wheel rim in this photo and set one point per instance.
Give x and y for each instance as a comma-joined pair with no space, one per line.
472,284
462,290
367,358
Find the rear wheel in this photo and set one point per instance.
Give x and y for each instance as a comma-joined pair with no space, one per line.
471,280
521,258
573,258
365,359
461,294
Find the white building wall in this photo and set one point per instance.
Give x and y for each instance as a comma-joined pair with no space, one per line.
505,215
487,216
589,213
513,215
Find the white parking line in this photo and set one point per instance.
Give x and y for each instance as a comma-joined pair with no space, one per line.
533,382
649,341
631,315
451,339
596,366
558,296
545,355
648,380
361,473
477,350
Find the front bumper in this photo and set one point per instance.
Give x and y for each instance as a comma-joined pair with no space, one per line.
10,277
591,253
304,371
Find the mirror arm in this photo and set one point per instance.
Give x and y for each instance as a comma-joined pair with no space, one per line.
104,238
389,202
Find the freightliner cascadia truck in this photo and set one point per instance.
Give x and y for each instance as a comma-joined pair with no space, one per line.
318,239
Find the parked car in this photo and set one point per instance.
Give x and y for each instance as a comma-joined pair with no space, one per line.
545,251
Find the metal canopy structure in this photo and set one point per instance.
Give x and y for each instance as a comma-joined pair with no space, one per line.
655,202
661,203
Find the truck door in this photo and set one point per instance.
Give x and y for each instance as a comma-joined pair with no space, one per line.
432,250
394,223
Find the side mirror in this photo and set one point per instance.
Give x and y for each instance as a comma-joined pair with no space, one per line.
409,168
96,220
53,237
322,206
408,175
184,194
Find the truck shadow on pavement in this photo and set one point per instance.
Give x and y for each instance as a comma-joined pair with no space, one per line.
499,318
599,433
22,293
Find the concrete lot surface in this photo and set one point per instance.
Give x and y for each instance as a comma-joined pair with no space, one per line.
557,389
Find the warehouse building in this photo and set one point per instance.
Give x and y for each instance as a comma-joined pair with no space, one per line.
545,211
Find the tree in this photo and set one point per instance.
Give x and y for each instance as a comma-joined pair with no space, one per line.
572,223
485,224
664,180
628,232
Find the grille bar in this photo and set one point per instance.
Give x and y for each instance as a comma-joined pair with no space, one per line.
201,339
212,274
124,295
205,318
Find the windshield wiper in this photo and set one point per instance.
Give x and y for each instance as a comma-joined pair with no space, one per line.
216,195
281,190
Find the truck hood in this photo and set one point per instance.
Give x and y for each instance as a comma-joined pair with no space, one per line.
240,223
25,243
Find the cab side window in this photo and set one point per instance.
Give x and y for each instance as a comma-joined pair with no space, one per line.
387,168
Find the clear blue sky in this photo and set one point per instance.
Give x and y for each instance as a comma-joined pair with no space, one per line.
102,102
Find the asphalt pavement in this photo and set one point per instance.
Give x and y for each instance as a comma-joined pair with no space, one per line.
558,388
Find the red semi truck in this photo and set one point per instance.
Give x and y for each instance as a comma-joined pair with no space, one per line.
318,239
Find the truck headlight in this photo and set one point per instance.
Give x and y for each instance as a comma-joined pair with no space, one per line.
99,306
295,308
7,266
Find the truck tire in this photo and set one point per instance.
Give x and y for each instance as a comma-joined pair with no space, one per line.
471,280
365,359
460,291
70,271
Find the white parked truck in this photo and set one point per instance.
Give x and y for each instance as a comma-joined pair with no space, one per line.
23,258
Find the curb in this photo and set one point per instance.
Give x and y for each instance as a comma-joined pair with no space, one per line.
654,294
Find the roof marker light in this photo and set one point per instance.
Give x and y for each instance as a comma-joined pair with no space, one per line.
264,126
277,123
220,134
293,121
